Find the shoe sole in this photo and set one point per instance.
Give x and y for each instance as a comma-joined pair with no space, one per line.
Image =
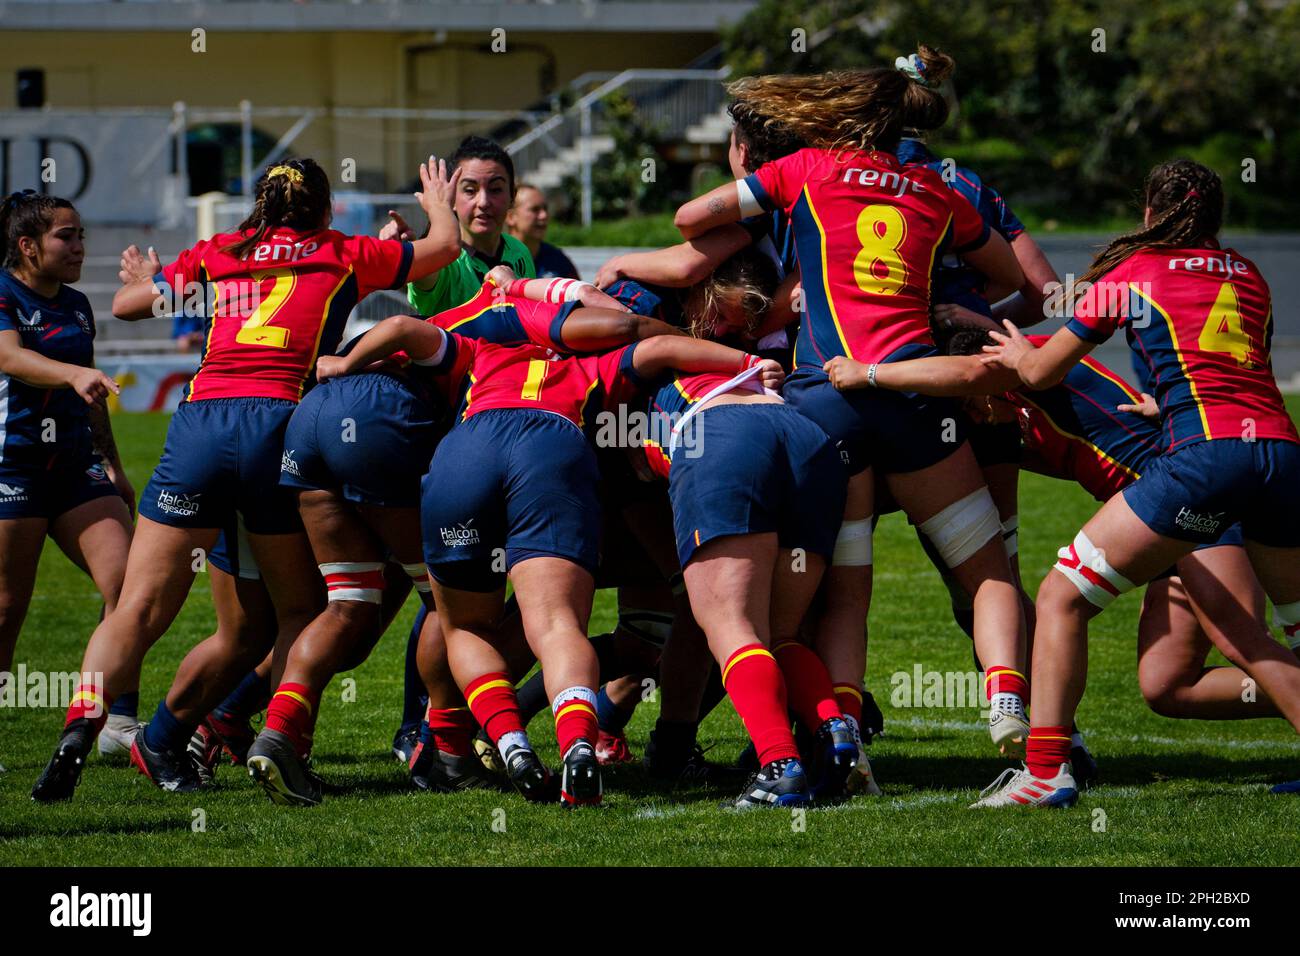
267,774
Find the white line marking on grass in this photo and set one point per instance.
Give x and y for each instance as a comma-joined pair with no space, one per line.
921,723
658,813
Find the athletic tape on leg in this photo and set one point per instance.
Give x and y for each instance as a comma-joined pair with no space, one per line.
354,581
853,544
965,526
1287,617
1086,567
1011,535
419,575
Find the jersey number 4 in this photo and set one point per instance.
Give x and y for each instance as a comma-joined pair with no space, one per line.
1223,331
879,268
258,330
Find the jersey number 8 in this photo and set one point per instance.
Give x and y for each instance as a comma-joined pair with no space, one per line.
878,268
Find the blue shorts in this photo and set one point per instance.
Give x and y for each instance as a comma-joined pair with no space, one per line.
223,455
894,432
366,436
68,480
758,468
232,554
505,485
1197,492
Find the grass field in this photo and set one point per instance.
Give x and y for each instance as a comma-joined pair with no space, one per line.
1173,792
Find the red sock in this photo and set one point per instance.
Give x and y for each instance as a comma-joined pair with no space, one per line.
575,718
757,690
850,701
811,694
1003,680
491,700
292,712
1047,749
452,729
92,703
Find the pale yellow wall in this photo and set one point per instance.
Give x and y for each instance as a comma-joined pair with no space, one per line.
98,70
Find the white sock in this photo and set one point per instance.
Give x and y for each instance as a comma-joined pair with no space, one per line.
1005,703
515,738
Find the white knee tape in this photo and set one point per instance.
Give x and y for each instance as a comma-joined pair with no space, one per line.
965,526
354,581
1086,567
419,576
1011,535
853,544
1287,617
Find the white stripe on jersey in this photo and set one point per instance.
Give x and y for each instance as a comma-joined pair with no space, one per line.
4,412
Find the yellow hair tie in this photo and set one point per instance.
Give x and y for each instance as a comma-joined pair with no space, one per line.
293,175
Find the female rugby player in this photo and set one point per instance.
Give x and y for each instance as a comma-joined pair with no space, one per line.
276,294
1201,318
867,232
60,474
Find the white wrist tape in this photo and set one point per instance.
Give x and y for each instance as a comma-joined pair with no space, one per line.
566,290
437,357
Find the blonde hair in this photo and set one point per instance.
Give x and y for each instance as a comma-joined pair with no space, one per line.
849,109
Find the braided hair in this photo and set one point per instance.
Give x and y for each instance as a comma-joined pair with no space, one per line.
1186,203
294,193
26,214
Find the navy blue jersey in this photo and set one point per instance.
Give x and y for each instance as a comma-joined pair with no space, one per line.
773,234
659,302
552,262
62,329
955,282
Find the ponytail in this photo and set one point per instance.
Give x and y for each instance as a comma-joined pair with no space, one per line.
1186,203
295,193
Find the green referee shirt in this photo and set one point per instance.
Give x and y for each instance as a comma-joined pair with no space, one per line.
460,281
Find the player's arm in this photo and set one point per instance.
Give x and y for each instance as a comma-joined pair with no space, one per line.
104,444
421,340
717,207
943,375
1026,309
441,245
598,330
1037,368
686,354
999,264
139,297
554,290
33,368
679,266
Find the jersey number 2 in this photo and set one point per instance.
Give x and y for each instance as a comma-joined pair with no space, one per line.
878,268
257,330
1222,331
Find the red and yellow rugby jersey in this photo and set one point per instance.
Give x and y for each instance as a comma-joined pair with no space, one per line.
1073,431
868,232
1202,321
489,376
507,320
671,398
269,315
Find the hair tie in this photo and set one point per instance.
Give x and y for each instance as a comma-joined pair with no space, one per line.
293,175
913,67
1193,194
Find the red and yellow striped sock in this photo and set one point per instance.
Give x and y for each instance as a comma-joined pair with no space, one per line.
850,701
292,712
575,717
1047,749
491,699
753,682
1004,680
452,729
90,702
807,684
